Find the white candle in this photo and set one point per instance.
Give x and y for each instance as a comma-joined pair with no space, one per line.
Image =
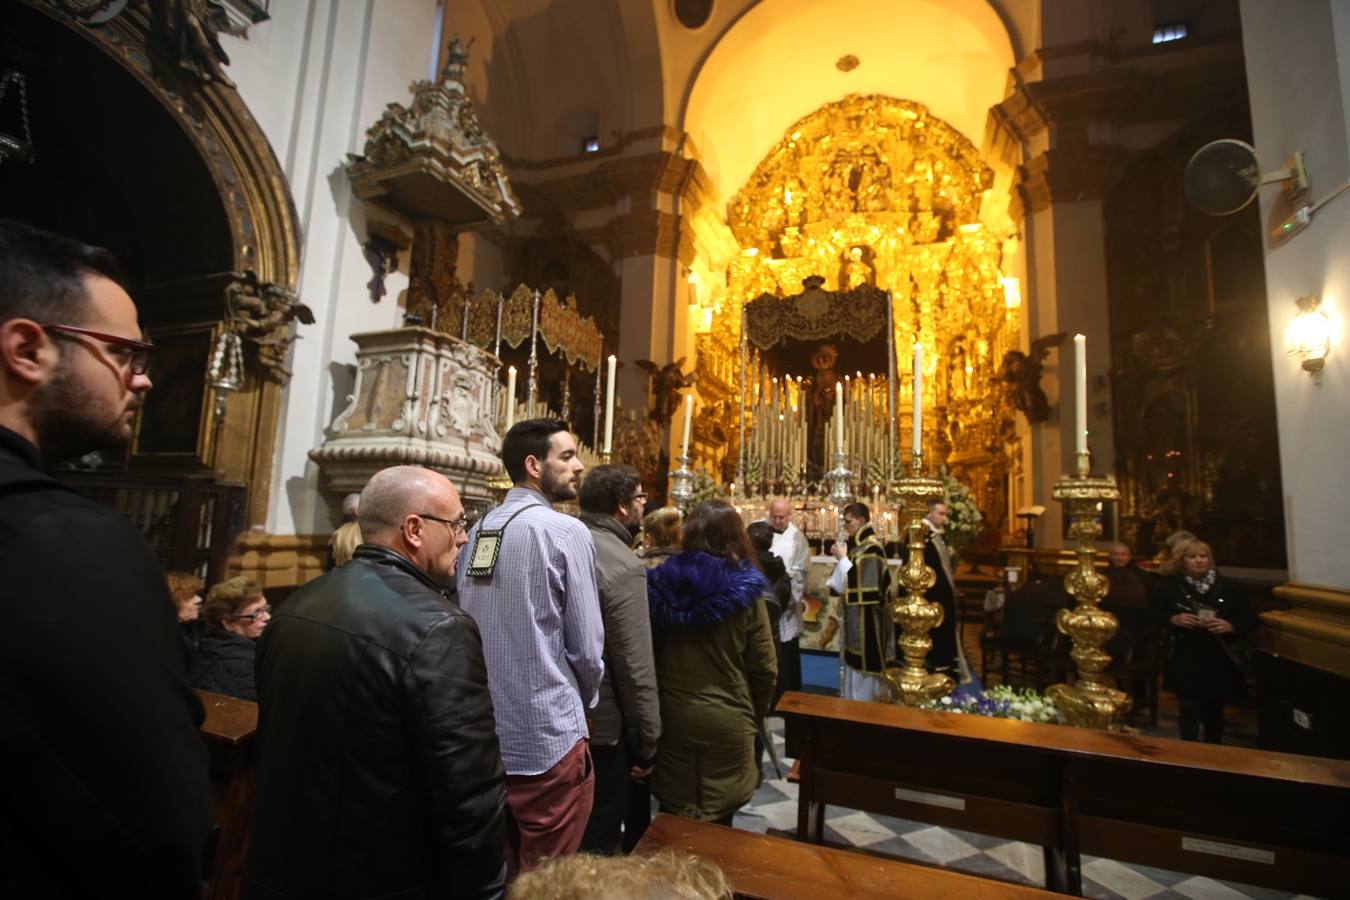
510,397
1080,393
839,417
918,398
688,417
609,405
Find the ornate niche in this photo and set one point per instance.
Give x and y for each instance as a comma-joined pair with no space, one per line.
874,192
1193,393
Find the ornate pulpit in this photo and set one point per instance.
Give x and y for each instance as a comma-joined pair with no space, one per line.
421,398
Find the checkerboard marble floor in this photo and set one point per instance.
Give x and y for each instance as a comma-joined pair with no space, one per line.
774,809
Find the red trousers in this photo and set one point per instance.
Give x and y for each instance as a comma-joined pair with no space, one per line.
549,811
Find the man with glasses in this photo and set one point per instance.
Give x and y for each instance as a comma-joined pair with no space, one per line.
626,723
528,579
379,773
102,770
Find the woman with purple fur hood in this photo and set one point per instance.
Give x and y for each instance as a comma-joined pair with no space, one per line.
715,666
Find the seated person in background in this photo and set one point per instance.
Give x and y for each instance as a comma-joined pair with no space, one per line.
236,614
1127,600
660,535
186,591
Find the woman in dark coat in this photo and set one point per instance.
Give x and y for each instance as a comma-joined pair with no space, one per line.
236,614
715,666
1207,616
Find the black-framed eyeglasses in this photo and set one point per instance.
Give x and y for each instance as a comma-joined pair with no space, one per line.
265,611
136,353
640,496
456,526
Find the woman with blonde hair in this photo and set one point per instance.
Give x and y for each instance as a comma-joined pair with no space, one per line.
236,614
344,542
660,535
1207,618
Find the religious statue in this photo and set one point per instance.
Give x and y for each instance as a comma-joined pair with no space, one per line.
820,403
262,313
856,271
1021,373
187,30
666,383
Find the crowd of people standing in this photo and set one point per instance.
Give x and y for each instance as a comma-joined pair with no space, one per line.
447,706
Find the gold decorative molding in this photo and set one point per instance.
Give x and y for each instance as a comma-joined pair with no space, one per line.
280,560
1315,632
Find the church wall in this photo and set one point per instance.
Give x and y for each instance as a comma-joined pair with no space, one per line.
316,76
1298,70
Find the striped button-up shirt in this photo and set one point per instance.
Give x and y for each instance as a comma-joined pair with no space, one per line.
543,637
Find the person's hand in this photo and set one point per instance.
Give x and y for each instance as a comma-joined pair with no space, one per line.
639,771
1219,626
840,550
1186,620
799,607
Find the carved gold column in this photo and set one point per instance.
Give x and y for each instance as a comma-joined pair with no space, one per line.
1088,703
912,683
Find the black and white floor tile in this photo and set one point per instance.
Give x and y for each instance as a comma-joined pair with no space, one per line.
774,809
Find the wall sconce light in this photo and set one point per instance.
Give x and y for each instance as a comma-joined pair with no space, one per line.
1308,337
1012,292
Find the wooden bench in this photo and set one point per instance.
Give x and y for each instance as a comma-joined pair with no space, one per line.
1252,816
229,731
760,866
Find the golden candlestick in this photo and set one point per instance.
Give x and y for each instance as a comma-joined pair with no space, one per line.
1088,703
912,684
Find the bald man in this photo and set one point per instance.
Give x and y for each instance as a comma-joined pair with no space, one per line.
789,545
379,772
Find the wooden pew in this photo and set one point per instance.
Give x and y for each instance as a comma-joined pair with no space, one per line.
229,730
760,866
1252,816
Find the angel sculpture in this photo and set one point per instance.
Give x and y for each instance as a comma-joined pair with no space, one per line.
188,30
666,382
1021,374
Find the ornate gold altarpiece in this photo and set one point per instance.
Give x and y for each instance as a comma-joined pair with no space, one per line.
866,196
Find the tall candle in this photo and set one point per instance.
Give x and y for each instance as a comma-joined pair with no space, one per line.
839,417
1080,393
688,417
918,398
510,397
609,405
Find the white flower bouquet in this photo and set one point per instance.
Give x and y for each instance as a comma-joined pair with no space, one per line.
1001,702
965,520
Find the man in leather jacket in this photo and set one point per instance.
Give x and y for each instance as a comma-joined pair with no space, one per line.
379,772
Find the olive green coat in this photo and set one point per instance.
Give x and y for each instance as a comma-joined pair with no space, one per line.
716,670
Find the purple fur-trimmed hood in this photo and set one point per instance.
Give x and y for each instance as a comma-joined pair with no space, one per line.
694,589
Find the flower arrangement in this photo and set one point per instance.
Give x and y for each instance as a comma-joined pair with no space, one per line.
1002,702
966,521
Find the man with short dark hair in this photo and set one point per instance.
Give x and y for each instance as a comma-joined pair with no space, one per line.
103,773
528,577
378,766
626,723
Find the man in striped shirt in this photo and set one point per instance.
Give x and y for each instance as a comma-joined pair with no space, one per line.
536,605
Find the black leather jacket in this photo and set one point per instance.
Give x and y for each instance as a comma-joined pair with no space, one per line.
379,773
